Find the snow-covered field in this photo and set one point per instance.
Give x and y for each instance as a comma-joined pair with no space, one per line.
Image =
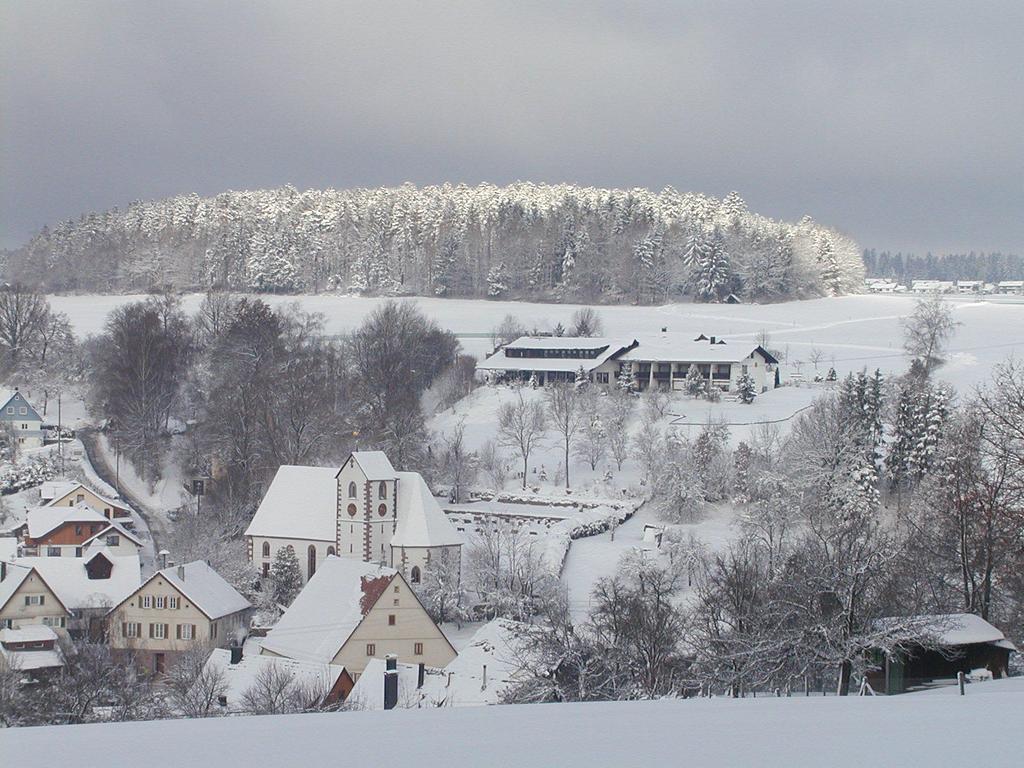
980,729
851,331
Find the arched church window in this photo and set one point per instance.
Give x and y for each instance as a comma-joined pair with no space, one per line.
382,490
311,561
266,549
352,491
414,574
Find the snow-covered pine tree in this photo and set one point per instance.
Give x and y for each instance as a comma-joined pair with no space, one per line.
497,281
905,430
625,381
696,384
285,576
828,263
746,388
582,379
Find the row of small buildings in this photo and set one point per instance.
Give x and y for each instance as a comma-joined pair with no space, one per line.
961,287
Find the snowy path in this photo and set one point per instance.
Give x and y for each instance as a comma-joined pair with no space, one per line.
597,557
150,526
594,557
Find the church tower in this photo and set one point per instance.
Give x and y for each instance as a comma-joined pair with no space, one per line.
366,509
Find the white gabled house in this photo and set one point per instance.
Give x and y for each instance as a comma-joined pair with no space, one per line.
366,510
653,361
351,612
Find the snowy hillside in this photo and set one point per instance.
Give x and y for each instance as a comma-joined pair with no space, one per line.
982,728
558,242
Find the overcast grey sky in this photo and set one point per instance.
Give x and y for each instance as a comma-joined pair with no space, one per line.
903,126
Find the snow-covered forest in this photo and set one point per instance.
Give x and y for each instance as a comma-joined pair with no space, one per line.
552,242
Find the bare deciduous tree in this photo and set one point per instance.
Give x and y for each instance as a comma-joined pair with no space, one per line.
567,412
522,427
927,331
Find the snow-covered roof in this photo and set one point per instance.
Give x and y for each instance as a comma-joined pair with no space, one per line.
113,528
421,522
43,520
240,677
15,575
74,486
301,503
493,645
368,692
54,489
70,582
8,547
375,465
327,610
681,347
28,633
501,361
961,629
206,588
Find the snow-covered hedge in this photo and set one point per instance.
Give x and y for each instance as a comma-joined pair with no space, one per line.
35,471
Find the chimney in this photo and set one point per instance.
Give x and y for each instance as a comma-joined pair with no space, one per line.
181,572
664,329
421,674
712,339
390,681
163,558
484,686
3,570
236,653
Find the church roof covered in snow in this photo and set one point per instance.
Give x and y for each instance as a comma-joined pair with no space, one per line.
328,609
375,465
301,503
421,521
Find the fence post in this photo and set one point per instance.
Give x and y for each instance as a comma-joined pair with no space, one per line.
960,681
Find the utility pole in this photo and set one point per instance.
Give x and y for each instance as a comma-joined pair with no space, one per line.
60,437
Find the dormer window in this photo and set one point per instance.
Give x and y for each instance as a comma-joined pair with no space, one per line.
382,490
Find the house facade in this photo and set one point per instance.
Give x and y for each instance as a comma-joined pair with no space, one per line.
23,419
653,361
26,599
69,494
351,612
365,510
88,587
70,531
176,609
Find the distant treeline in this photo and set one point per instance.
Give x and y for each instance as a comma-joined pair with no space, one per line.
905,267
548,242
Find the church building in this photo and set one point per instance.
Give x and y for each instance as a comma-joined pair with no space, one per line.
365,510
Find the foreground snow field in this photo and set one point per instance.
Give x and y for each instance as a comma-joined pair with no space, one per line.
854,331
942,729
